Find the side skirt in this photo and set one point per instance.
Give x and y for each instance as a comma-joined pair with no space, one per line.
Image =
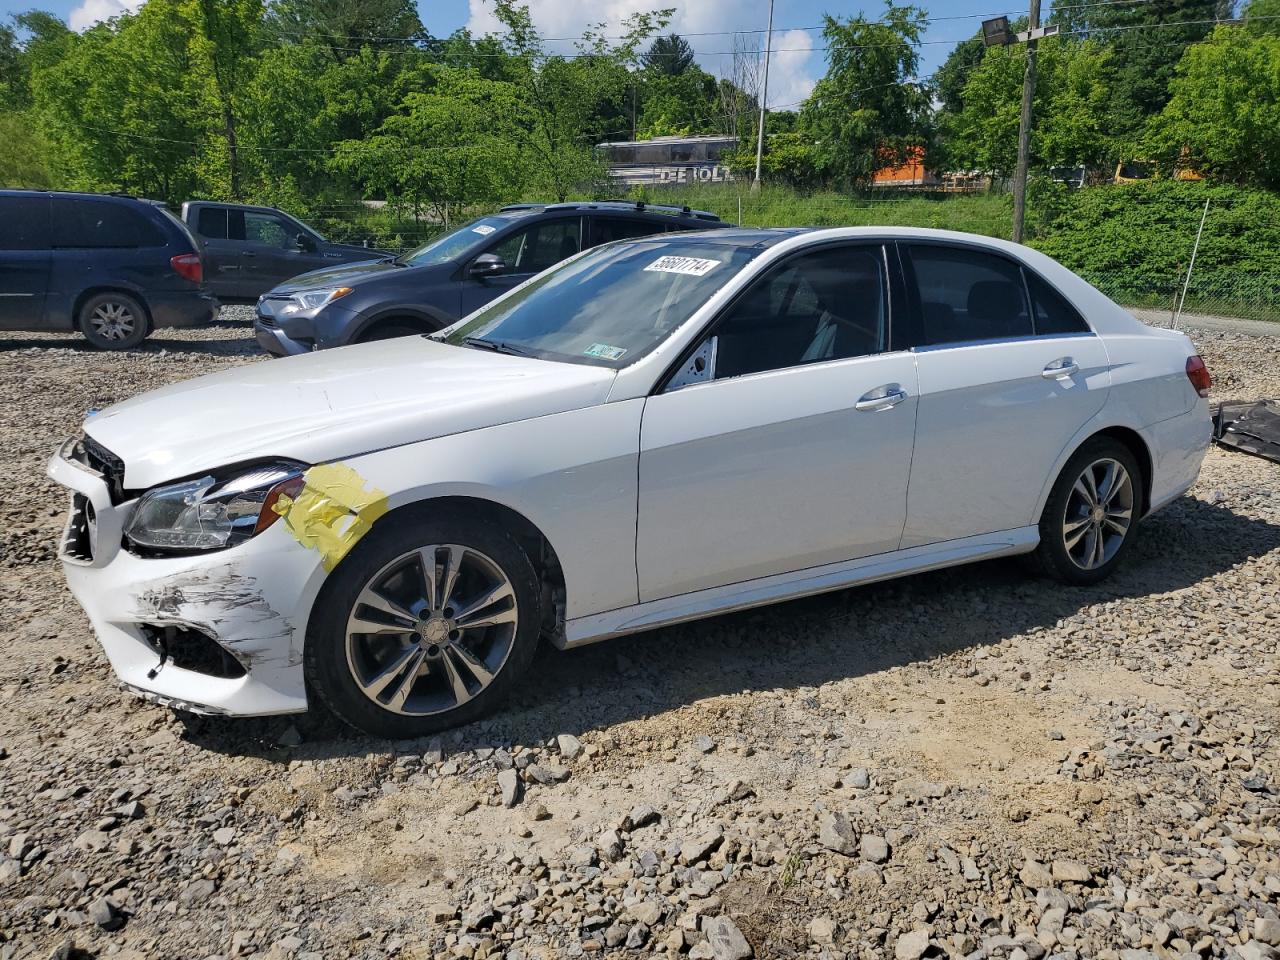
787,586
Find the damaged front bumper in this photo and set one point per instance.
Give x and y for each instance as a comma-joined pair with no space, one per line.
219,632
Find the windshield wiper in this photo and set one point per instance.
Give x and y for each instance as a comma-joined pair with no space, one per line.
497,346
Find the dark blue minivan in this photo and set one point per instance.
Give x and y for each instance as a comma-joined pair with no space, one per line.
113,267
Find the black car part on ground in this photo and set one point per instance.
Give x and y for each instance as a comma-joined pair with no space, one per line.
1252,426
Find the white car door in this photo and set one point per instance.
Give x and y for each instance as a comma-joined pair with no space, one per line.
1009,372
796,451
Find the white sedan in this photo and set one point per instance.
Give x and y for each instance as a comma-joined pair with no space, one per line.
653,431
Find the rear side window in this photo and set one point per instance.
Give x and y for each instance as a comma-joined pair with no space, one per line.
212,223
606,229
968,295
24,223
1052,311
97,224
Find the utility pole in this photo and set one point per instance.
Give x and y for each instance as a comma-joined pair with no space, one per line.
996,33
1024,128
764,97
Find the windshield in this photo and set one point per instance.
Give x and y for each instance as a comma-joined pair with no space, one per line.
450,244
609,307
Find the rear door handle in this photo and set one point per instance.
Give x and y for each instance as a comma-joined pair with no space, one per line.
1060,369
881,398
248,253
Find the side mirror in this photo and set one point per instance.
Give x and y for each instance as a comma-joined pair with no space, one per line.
304,242
486,265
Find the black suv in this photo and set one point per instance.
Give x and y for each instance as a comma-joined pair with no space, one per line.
451,276
111,266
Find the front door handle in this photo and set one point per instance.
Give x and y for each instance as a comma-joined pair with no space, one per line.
248,253
881,398
1061,369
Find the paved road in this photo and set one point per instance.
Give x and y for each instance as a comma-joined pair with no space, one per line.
1258,328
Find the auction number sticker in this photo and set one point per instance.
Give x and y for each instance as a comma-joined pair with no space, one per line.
693,266
483,229
604,351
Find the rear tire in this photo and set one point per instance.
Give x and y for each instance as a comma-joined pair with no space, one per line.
437,650
1091,518
113,321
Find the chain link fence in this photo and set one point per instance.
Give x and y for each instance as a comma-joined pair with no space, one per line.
1215,293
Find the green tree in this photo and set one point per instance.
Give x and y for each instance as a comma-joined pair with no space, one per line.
345,27
670,55
571,102
1262,16
1146,41
225,41
1224,108
949,80
1069,110
24,153
454,145
687,102
866,111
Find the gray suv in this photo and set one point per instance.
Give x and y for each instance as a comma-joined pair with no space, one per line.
456,273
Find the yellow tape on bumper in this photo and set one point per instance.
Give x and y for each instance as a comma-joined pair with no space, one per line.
332,512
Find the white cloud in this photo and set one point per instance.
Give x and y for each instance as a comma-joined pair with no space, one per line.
791,74
91,11
793,70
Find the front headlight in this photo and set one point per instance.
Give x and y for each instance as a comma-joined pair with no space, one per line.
313,299
211,512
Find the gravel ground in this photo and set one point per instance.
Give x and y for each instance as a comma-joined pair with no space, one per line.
968,763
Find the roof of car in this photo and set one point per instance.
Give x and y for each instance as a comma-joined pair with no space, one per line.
617,206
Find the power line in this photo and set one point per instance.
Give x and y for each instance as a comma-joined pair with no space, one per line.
381,38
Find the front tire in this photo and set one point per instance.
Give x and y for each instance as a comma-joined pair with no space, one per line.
427,624
113,321
1091,517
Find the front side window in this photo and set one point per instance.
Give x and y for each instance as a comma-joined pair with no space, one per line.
831,304
267,231
610,306
539,246
968,295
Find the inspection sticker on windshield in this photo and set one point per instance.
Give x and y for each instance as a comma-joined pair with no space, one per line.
483,229
693,266
604,351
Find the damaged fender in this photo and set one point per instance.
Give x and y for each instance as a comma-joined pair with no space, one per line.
332,512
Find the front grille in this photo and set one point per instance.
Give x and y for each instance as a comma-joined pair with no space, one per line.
268,322
77,542
191,649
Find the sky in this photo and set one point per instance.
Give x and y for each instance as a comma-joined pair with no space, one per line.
796,64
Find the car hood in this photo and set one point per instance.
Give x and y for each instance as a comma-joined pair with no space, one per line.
335,404
341,275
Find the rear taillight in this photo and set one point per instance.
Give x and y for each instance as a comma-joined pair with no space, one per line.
1198,374
188,266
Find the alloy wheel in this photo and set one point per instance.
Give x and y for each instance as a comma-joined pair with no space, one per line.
1099,513
113,321
431,629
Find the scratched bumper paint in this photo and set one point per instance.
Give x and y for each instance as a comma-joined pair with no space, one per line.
254,599
333,511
